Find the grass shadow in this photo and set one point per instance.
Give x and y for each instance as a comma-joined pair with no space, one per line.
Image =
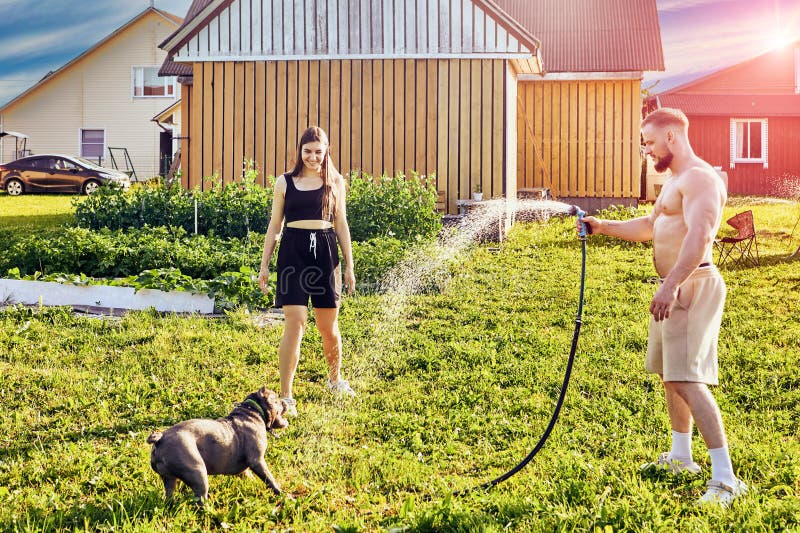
143,426
107,515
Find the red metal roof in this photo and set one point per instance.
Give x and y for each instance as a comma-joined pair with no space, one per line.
733,105
592,35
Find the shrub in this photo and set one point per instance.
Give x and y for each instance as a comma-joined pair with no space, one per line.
374,258
377,207
392,207
230,210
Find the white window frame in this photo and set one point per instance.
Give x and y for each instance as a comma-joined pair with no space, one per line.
764,142
168,81
80,143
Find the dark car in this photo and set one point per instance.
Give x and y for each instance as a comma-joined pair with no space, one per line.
57,173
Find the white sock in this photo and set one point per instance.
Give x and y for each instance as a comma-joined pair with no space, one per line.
681,446
721,466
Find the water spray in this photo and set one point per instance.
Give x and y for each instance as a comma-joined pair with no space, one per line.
585,230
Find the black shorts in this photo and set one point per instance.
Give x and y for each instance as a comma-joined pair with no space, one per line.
308,267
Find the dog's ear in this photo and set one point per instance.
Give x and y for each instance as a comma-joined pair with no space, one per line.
263,392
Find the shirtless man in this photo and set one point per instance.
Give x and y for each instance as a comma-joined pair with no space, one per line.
686,310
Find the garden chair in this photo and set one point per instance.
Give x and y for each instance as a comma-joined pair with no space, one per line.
742,248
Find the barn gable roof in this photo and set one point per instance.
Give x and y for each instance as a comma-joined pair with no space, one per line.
592,35
272,29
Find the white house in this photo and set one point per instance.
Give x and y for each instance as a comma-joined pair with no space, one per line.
105,97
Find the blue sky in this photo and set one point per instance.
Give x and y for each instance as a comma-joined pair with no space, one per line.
699,36
37,36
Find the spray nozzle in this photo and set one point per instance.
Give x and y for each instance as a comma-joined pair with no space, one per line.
574,210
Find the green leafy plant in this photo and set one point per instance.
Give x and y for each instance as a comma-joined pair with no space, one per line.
117,253
225,210
398,207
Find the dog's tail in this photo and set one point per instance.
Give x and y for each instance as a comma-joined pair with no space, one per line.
154,437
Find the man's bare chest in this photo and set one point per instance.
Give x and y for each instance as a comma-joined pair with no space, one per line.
670,201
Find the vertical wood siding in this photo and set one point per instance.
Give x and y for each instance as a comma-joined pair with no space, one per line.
710,139
262,28
442,117
587,136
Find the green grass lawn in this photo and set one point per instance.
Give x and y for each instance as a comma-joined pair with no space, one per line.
35,211
453,394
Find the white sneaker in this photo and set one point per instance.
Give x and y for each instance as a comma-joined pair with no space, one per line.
673,466
341,387
722,494
291,407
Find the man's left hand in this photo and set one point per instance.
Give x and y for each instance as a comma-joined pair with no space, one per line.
662,303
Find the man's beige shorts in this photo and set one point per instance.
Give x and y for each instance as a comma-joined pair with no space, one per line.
684,346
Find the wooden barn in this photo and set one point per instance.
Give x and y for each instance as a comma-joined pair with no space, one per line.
746,119
578,126
442,87
425,86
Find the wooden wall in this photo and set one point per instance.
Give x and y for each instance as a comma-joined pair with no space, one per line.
587,135
442,117
318,29
710,139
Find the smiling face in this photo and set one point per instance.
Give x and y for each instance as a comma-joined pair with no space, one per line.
656,144
313,156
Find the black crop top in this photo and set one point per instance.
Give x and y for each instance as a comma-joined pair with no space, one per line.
302,205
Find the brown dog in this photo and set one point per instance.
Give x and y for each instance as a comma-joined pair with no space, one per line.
194,449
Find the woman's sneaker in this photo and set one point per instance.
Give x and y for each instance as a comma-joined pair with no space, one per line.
673,466
719,493
291,407
341,387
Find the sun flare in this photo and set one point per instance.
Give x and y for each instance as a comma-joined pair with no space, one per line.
779,40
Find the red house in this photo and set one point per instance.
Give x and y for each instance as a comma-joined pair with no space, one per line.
746,119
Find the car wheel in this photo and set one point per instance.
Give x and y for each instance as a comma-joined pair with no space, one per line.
14,187
90,186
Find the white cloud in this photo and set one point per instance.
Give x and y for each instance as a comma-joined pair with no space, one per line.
33,45
687,50
678,5
21,81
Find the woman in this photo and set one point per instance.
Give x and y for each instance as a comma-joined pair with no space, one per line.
311,198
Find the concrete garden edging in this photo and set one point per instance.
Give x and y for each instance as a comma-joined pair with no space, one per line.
52,294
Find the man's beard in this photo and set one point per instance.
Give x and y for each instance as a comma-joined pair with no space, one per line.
663,162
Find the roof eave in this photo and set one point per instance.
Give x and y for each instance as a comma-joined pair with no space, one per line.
513,27
184,33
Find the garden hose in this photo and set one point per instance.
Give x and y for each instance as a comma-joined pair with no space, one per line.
574,211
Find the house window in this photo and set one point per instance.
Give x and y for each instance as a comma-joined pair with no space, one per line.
148,84
749,141
93,144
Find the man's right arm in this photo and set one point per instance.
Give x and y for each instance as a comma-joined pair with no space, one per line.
637,229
